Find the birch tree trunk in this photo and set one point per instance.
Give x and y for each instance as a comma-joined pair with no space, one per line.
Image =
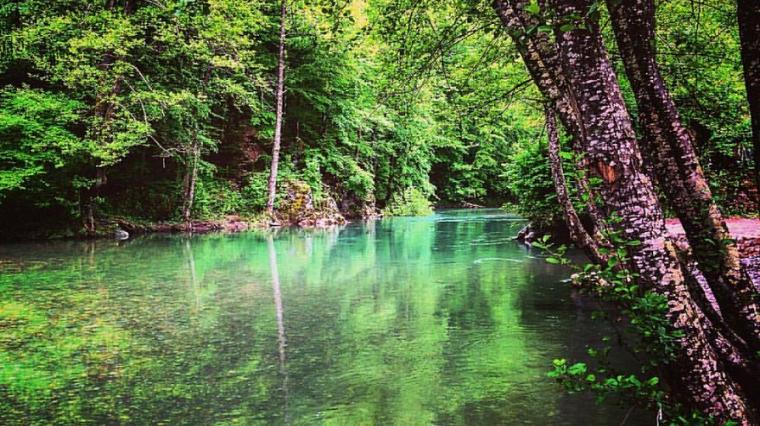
676,165
591,107
748,13
191,177
279,94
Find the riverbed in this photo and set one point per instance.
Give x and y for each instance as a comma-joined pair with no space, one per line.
433,320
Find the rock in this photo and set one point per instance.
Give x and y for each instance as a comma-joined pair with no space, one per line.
298,208
526,235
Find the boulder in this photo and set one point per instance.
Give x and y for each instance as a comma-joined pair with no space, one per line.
298,208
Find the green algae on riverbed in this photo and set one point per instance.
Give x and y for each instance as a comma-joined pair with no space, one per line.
404,321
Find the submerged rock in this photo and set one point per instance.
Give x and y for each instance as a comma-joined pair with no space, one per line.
526,235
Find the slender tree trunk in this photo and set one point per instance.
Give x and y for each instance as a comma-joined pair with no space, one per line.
676,165
748,12
279,95
578,233
591,107
191,177
104,110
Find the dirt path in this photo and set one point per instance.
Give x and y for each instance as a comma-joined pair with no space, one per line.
745,231
740,228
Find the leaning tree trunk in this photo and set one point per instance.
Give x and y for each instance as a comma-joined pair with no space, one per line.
578,233
279,94
676,165
593,111
748,13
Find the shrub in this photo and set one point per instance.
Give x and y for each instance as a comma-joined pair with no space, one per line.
530,182
412,202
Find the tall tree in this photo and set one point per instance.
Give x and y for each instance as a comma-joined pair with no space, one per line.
591,107
748,12
279,94
676,165
102,130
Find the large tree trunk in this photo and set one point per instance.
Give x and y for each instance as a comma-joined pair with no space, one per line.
676,165
279,94
593,111
748,12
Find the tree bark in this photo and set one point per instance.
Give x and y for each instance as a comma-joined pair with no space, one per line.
676,165
748,14
279,95
578,233
593,111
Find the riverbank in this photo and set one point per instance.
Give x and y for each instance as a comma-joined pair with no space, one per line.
230,224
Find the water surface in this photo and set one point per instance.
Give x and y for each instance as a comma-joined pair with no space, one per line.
436,320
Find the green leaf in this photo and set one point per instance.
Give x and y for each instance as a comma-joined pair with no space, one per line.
533,8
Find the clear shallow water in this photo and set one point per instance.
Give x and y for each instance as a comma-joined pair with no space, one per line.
437,320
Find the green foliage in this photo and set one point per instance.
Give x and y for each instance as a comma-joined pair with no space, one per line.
652,332
215,197
37,139
530,182
148,94
412,202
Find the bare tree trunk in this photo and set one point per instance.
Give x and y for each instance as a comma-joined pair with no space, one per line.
748,13
191,177
279,94
676,165
591,107
578,233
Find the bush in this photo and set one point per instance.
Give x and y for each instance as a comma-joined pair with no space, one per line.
412,202
216,197
530,182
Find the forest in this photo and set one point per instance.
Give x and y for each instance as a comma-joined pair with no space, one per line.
603,123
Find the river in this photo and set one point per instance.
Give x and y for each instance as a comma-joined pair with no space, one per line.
434,320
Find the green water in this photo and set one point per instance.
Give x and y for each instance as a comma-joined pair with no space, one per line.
437,320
